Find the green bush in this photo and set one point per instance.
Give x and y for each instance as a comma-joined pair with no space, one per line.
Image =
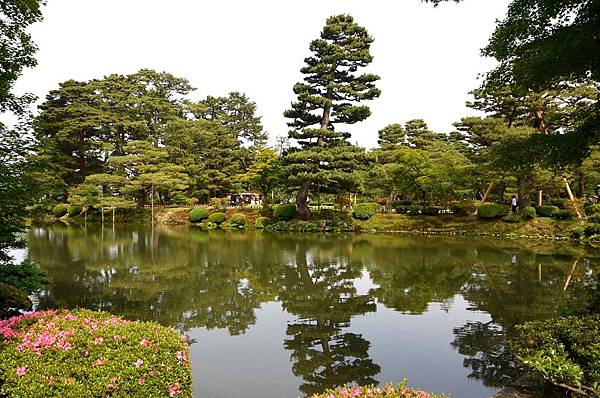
577,233
326,214
363,211
511,218
91,354
285,212
305,227
238,221
430,211
198,214
563,215
561,351
414,210
12,300
60,210
592,209
594,218
559,202
277,226
529,213
216,218
546,211
591,229
389,391
262,222
74,210
492,210
463,208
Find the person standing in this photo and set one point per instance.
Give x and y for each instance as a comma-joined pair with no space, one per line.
513,204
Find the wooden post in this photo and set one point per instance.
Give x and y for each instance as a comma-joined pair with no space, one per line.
152,201
488,191
102,212
569,192
540,195
113,209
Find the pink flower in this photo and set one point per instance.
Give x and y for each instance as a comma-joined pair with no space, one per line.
139,363
98,340
180,355
141,382
69,382
145,342
21,371
99,362
174,390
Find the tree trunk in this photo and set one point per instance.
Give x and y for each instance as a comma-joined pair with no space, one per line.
523,200
113,216
152,201
568,187
540,197
488,191
302,201
102,213
581,187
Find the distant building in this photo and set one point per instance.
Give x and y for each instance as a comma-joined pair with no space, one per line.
244,199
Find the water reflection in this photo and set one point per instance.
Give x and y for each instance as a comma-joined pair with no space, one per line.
219,280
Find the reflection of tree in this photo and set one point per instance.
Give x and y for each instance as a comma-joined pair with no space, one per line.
320,292
488,357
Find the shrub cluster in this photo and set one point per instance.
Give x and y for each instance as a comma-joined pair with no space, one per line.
238,221
389,391
91,354
563,214
492,210
592,209
216,218
285,212
60,210
529,213
546,210
363,211
430,211
559,202
198,214
262,222
463,208
561,351
594,218
74,210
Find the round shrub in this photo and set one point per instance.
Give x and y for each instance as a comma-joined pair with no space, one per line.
430,211
492,210
262,222
238,221
363,211
216,218
74,210
563,215
462,209
91,354
529,213
198,214
592,209
559,202
60,210
546,211
285,212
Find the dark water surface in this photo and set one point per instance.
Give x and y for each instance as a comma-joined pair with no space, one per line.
282,315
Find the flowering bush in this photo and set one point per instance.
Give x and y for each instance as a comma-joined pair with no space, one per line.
91,354
389,391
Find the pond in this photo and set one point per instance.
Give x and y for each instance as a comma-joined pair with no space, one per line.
284,315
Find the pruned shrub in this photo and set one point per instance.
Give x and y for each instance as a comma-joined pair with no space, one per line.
262,222
216,218
389,391
463,208
559,202
363,211
60,210
546,210
198,214
238,221
74,210
529,213
430,211
285,212
563,215
561,351
91,354
592,209
492,210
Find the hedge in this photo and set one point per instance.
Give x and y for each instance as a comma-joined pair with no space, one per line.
492,210
60,210
285,212
198,214
238,221
363,211
389,391
561,351
546,211
462,209
216,218
91,354
563,215
529,213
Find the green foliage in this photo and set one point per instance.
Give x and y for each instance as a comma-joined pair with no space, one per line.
591,230
577,233
363,211
592,209
12,300
561,351
91,354
430,211
511,218
594,218
26,276
305,227
492,210
60,209
198,214
74,210
389,391
238,220
529,213
216,218
463,208
559,202
414,210
563,214
546,211
262,222
285,212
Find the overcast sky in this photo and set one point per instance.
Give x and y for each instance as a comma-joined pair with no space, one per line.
428,58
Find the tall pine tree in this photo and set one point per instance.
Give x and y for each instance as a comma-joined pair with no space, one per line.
327,97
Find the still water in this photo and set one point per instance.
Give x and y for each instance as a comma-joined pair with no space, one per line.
284,315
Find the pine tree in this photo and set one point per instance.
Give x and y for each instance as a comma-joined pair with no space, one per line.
327,98
391,135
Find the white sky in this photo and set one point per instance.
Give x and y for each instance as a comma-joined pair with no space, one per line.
428,58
